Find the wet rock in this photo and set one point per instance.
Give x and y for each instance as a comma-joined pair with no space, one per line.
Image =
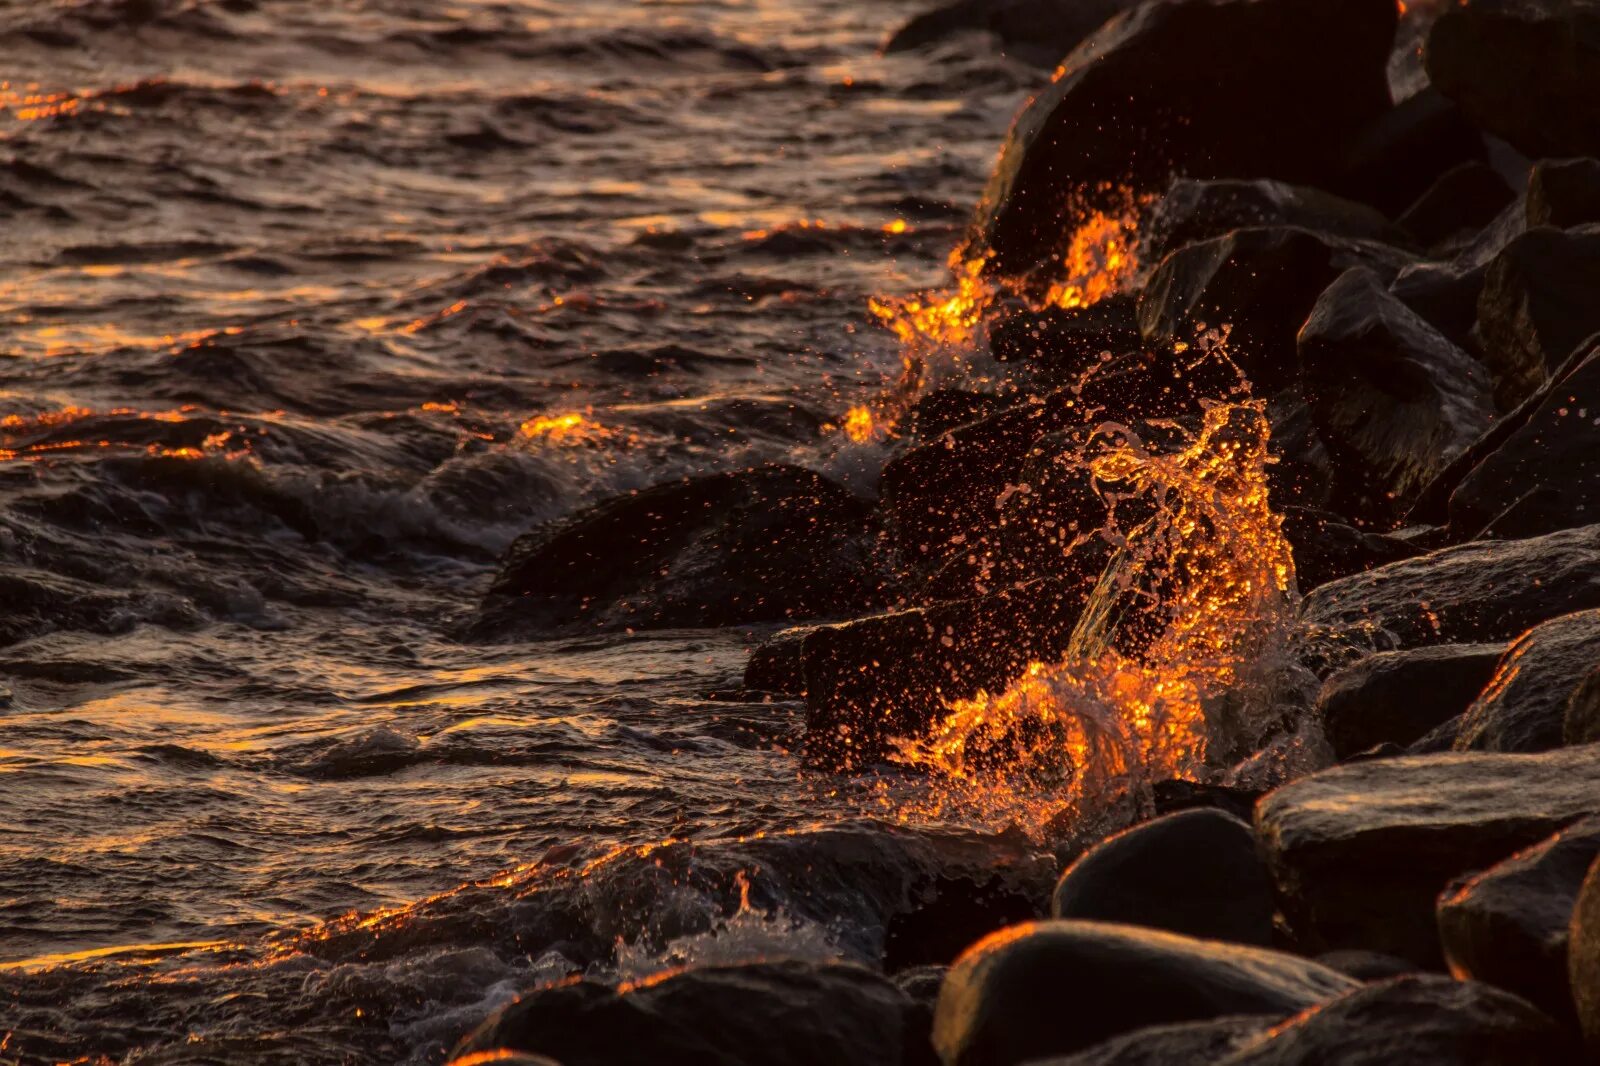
921,986
1395,158
1541,470
1367,965
1258,283
1286,81
785,1012
1485,591
1188,1043
1170,797
766,544
1394,400
945,409
1036,31
1465,199
1509,925
890,675
1537,306
1399,696
1194,211
1582,725
1195,872
1527,71
1326,549
1564,193
1420,1020
1053,988
1583,958
1445,295
1524,707
776,665
1360,852
1059,343
502,1057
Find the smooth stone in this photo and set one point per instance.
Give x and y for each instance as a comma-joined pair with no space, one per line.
1397,697
1524,707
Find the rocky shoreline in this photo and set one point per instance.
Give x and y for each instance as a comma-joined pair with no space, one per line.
1337,344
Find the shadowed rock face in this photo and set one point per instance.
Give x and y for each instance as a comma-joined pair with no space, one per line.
1193,211
1053,988
1524,707
1166,1045
1536,307
1396,697
1285,81
1564,193
1360,852
1583,958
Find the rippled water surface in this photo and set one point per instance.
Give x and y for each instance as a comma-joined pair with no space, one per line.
307,309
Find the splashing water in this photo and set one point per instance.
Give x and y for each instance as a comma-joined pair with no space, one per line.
1102,258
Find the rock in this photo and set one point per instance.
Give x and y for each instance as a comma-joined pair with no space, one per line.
1395,158
1465,199
1325,549
921,985
776,665
1509,925
1053,988
1582,725
1367,965
1541,470
943,410
780,1012
1583,959
1537,306
1526,71
1194,211
766,544
1484,591
1524,707
1286,81
1419,1020
1259,283
1195,872
1445,295
1398,696
1172,796
502,1057
1564,193
1035,31
1394,400
1060,343
1360,852
1183,1044
890,675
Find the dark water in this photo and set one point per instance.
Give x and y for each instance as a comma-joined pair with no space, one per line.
287,287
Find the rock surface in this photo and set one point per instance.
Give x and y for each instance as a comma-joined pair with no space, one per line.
1035,31
1524,707
1583,959
1053,988
1537,306
1195,872
1564,193
1193,211
1509,925
1360,852
1465,199
1183,1044
1397,697
1582,724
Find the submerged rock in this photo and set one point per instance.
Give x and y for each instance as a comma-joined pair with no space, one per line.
1036,31
1393,399
1360,852
1509,925
1285,81
1583,958
1524,708
1397,697
1195,872
1053,988
766,544
787,1013
1537,306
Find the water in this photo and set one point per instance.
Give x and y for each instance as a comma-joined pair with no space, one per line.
286,289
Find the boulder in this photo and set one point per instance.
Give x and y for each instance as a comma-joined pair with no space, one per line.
942,410
1582,725
1537,305
1392,160
776,665
1564,193
1195,872
1419,1020
1361,852
1484,591
767,544
1058,344
1509,925
1540,472
1527,71
1035,31
1583,959
1445,295
1367,965
1193,211
1053,988
779,1012
1466,198
1393,399
1286,81
1524,707
1397,697
1182,1044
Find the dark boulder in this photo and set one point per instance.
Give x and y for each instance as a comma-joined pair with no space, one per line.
1465,199
1257,284
1445,295
1058,344
1367,965
1537,306
1053,988
1419,1020
1361,852
1326,549
1399,696
1583,959
1181,1044
1286,81
1395,158
783,1012
1194,211
942,410
766,544
776,665
1509,925
1484,591
1540,471
1035,31
1564,193
1524,707
1527,71
1582,725
1195,872
1393,399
